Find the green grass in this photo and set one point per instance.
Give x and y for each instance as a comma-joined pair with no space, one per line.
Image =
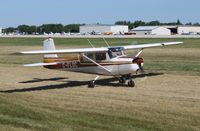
189,43
36,116
90,110
157,61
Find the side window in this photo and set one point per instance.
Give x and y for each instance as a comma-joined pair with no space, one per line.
89,55
100,56
119,53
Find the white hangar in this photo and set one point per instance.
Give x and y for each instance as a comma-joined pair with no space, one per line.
151,30
188,30
103,29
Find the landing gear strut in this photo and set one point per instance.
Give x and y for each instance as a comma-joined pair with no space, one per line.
122,80
91,84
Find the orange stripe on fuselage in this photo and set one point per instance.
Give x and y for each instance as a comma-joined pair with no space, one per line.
64,61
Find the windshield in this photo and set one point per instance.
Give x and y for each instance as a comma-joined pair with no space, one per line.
117,51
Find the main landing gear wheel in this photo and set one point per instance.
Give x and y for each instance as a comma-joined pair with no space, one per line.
131,83
91,84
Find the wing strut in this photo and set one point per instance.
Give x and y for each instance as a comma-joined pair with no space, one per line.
138,54
96,63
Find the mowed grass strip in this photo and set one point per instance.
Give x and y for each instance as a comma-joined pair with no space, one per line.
156,104
84,109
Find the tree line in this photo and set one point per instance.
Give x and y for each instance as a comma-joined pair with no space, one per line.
45,28
74,28
134,24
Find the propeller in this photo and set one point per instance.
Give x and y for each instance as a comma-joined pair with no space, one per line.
139,61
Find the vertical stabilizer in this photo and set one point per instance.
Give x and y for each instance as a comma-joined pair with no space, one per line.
49,45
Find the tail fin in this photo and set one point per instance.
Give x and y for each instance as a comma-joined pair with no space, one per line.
49,45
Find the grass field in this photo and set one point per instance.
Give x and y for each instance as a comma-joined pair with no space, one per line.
40,99
179,58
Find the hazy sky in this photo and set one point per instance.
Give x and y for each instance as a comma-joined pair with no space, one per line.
36,12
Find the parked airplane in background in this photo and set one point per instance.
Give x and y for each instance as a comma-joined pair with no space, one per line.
111,61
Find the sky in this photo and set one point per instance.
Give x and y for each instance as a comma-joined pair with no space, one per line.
37,12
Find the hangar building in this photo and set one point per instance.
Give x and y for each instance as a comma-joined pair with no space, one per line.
188,30
172,28
183,30
103,29
151,30
0,30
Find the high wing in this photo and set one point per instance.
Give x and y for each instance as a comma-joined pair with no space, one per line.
102,49
142,46
66,51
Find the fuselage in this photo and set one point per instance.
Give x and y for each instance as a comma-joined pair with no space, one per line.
119,65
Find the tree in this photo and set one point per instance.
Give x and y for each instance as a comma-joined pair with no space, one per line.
23,29
74,28
130,25
189,23
122,22
9,30
178,22
196,24
139,23
48,28
154,23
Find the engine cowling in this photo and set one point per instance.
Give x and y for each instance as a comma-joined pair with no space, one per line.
139,62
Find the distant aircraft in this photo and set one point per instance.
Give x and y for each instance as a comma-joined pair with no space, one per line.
110,61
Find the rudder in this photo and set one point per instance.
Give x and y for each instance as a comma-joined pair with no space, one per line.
49,45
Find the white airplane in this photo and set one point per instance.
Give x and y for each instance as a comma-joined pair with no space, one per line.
110,61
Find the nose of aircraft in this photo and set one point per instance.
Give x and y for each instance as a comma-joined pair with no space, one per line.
139,62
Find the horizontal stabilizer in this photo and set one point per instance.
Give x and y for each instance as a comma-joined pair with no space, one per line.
40,64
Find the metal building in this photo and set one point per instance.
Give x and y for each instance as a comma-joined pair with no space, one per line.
103,29
151,30
188,30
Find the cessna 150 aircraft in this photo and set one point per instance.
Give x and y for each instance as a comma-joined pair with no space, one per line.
111,61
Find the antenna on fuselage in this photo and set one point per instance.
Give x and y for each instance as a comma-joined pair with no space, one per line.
106,42
90,43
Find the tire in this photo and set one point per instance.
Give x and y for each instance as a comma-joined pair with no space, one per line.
131,83
91,84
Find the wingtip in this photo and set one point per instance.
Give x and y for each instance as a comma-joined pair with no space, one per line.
16,53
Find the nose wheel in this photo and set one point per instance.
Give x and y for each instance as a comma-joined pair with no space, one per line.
131,83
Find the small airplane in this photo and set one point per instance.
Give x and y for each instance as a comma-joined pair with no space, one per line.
110,61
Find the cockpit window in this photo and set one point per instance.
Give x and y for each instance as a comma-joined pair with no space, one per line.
97,56
114,52
90,55
100,56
